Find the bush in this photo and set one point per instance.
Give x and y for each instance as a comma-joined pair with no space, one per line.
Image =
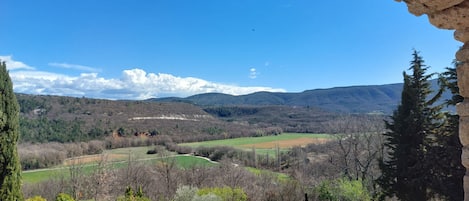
208,197
225,193
325,191
179,149
217,153
130,195
64,197
152,151
36,198
34,156
185,193
342,190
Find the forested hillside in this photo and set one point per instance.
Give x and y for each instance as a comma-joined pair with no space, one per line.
381,99
69,119
298,119
208,116
65,119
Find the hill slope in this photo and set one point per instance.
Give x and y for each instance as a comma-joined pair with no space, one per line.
354,99
64,119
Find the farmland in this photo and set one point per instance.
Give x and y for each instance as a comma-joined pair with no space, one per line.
116,158
269,148
119,158
267,144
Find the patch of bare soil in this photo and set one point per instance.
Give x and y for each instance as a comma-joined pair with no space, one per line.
288,143
93,158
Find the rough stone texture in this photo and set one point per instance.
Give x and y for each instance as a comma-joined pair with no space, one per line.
463,71
463,129
453,14
462,35
466,186
463,82
463,55
465,157
420,7
451,18
463,108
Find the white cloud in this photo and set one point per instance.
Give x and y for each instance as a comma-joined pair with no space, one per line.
253,73
133,84
13,65
150,84
75,66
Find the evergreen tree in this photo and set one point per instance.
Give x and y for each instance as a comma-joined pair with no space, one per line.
130,195
405,173
445,153
10,170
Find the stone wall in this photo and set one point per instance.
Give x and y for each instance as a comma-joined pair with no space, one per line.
454,15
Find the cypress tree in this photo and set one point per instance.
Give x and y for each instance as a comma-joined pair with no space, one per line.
10,170
405,171
445,152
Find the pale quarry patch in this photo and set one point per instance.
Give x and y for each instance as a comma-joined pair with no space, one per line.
181,117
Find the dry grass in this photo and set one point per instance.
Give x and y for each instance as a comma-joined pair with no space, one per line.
288,143
94,158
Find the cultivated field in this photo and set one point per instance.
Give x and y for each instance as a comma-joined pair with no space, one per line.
116,158
267,144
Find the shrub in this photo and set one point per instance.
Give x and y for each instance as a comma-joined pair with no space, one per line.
217,153
64,197
225,193
325,191
36,198
95,147
130,195
342,190
208,197
185,193
152,151
173,147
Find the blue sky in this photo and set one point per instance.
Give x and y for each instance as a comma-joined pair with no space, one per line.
123,49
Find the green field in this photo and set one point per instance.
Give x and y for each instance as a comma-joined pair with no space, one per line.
248,143
41,175
239,142
137,154
118,158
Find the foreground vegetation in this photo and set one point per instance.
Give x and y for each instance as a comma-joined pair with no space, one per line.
422,146
10,169
120,157
169,177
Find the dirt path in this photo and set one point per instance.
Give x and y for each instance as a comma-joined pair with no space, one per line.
201,157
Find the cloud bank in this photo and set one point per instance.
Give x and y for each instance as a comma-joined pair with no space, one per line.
13,65
134,84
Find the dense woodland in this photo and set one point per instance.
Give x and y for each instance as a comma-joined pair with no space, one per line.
67,119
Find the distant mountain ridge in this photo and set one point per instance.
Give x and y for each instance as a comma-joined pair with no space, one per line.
381,99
